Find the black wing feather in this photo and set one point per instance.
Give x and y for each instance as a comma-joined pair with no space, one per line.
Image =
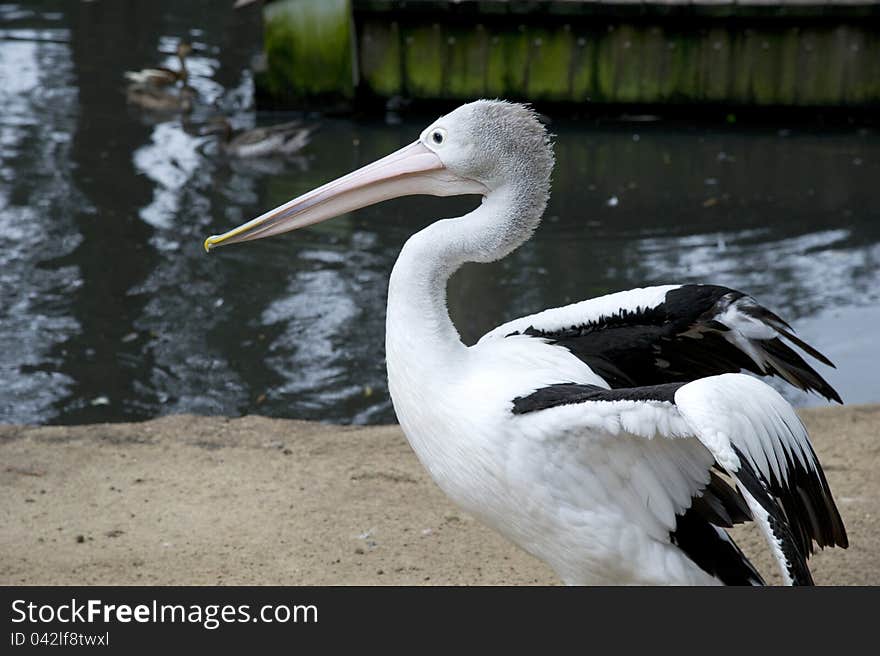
682,339
713,550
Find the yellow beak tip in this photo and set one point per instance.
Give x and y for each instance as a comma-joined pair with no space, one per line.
209,243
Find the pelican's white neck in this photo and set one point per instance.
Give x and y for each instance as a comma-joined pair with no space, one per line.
418,326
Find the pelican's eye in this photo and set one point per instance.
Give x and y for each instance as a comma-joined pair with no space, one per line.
438,136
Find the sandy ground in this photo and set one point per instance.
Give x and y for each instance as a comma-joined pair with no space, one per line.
193,500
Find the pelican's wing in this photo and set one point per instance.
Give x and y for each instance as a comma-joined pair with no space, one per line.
751,433
675,333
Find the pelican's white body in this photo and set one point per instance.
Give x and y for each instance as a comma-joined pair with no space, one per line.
564,495
557,494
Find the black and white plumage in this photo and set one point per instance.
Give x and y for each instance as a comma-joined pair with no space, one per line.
616,439
753,435
675,333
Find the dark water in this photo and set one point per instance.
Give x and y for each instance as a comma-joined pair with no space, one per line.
110,311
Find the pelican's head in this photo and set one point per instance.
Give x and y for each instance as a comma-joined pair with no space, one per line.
479,148
491,141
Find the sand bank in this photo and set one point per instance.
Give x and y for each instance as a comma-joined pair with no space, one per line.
195,500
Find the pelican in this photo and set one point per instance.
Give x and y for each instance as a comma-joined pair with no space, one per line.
616,438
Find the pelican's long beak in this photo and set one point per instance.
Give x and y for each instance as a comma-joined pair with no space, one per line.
411,170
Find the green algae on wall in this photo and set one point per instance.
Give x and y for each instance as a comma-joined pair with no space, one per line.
622,62
309,54
381,58
318,50
423,60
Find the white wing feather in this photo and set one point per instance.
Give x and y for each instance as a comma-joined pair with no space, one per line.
716,419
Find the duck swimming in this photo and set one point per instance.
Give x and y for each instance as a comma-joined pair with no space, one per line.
155,99
161,76
281,139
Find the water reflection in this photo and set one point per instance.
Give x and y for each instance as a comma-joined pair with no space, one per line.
111,311
38,101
